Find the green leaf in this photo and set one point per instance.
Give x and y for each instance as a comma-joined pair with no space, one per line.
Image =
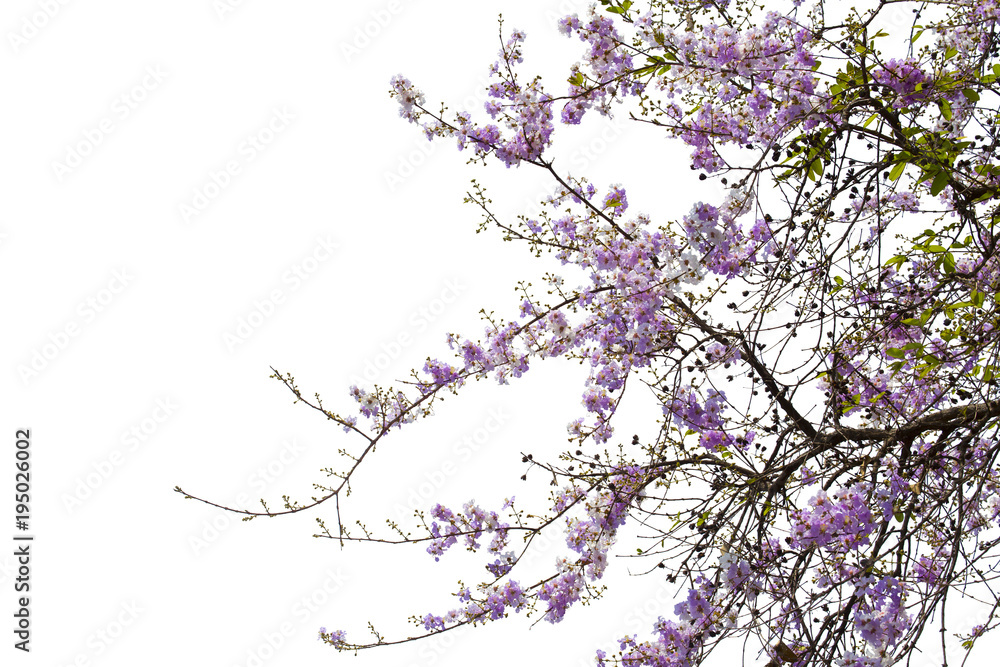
950,53
940,181
897,515
949,263
912,322
897,170
971,95
898,261
896,353
945,108
816,168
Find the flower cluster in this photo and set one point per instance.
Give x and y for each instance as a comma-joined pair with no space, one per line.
715,234
906,79
498,599
368,401
337,638
880,618
839,523
525,110
471,523
442,374
607,62
676,644
690,411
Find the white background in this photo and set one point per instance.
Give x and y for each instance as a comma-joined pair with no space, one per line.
121,312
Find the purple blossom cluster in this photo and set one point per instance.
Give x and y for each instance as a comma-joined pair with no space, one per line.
525,110
763,77
675,644
880,618
498,599
441,374
690,411
906,79
607,64
716,235
471,523
590,536
842,522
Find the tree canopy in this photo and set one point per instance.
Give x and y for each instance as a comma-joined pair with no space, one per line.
823,339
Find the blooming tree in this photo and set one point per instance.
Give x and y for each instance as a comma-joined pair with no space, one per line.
823,338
